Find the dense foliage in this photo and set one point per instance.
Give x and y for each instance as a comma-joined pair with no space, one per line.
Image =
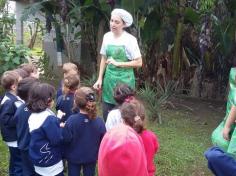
11,55
189,42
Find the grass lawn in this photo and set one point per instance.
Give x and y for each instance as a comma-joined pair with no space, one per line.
182,144
3,159
183,136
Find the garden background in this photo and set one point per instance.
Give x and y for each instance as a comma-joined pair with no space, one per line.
188,48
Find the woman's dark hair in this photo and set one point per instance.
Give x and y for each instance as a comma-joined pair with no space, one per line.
40,96
133,114
85,100
122,92
24,86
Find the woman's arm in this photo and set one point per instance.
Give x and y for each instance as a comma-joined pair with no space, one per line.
131,64
230,120
98,84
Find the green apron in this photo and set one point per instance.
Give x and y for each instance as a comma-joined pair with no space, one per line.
217,135
115,75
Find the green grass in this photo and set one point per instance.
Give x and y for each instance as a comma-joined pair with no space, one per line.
183,140
3,159
182,144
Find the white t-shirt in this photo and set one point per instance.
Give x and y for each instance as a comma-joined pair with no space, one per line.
126,39
51,170
113,119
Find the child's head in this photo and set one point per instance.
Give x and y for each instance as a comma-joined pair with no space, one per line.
85,100
133,114
9,80
121,153
41,97
30,69
122,92
71,83
24,86
22,73
69,69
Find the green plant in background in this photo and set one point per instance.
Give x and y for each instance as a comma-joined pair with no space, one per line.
44,66
88,80
207,5
11,55
155,97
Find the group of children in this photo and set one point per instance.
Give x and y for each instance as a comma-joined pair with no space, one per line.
41,142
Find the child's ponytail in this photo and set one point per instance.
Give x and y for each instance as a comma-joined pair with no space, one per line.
91,109
138,124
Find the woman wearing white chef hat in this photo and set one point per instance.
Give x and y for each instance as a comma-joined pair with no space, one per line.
120,54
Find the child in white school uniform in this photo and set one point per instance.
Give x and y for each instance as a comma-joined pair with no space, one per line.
45,131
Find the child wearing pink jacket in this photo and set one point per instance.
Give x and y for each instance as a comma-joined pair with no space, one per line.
122,153
133,114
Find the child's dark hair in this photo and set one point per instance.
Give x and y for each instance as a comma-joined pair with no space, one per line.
24,86
29,68
40,96
122,92
72,82
133,114
9,78
22,73
85,100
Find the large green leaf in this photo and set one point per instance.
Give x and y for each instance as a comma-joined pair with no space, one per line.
151,27
172,12
231,5
16,60
192,16
32,10
132,5
225,35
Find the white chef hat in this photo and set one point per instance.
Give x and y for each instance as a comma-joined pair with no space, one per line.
124,15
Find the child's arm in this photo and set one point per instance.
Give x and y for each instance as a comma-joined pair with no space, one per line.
66,132
230,120
53,130
7,116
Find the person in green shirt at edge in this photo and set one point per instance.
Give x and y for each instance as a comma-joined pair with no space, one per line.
120,53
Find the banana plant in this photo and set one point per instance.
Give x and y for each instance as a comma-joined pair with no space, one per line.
72,19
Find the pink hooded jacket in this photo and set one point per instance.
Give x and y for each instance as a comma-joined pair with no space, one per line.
122,153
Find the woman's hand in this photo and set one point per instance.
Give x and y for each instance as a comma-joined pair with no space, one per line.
112,61
226,131
98,85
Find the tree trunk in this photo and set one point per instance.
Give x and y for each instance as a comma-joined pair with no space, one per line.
34,36
176,66
100,34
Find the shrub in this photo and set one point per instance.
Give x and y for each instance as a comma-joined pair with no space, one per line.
11,55
155,97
